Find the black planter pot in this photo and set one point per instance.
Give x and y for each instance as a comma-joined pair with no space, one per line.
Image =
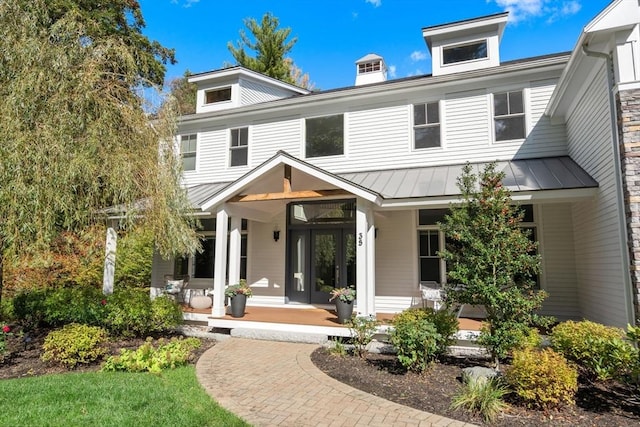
344,310
238,304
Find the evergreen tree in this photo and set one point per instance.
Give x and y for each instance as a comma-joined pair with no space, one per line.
491,260
271,46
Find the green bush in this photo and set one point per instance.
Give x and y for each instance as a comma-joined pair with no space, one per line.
130,312
78,304
483,396
75,344
421,335
28,308
542,378
362,330
601,349
147,358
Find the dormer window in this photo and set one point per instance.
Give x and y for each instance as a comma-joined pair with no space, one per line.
217,95
369,67
465,52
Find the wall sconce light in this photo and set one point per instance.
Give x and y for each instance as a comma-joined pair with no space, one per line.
276,234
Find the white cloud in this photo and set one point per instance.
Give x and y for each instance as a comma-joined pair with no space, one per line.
418,55
375,3
185,3
522,10
393,71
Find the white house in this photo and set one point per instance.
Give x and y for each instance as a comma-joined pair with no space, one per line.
302,192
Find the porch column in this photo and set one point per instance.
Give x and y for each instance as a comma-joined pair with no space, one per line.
234,250
365,258
220,264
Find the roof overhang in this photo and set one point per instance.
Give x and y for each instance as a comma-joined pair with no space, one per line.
234,190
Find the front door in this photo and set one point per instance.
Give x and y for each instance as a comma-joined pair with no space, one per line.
321,259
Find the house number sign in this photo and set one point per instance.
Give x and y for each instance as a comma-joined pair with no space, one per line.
359,239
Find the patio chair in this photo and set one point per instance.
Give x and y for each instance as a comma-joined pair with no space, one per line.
176,285
432,295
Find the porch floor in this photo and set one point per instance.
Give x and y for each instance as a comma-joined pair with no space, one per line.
323,317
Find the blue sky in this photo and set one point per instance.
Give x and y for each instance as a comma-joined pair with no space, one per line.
333,34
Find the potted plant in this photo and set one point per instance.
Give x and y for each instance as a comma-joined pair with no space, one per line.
238,295
344,298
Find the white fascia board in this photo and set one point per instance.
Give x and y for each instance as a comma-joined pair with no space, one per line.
540,196
237,186
244,72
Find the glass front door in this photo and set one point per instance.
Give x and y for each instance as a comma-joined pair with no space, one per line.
321,260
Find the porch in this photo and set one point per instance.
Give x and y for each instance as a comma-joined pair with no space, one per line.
303,319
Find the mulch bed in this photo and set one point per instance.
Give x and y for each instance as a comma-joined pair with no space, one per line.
597,404
23,356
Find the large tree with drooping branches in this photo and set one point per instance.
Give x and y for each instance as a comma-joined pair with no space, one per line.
84,126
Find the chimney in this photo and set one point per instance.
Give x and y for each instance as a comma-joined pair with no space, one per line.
370,69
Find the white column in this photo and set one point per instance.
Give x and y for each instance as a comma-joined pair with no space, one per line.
109,261
365,259
220,265
234,250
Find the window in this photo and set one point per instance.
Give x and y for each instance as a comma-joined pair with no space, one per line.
426,125
239,146
188,149
528,223
217,95
368,67
201,265
430,241
508,115
466,52
325,136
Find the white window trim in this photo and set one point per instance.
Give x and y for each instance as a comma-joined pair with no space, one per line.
526,113
537,224
412,142
214,89
179,149
465,43
229,148
441,247
345,123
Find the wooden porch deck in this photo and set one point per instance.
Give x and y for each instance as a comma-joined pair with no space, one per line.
323,317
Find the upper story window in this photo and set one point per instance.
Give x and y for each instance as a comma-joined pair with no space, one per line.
239,147
426,125
188,150
465,52
324,136
369,67
217,95
508,115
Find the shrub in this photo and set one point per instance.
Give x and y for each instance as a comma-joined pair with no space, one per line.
362,330
75,344
147,358
601,349
418,340
28,308
130,312
483,396
542,378
78,304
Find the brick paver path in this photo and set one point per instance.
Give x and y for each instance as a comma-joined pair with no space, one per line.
270,383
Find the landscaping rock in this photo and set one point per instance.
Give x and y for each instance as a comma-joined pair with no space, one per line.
475,373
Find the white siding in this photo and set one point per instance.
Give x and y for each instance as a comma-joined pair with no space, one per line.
559,278
266,258
396,255
253,92
597,233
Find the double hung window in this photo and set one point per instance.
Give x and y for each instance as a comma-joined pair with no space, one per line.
508,115
426,125
239,147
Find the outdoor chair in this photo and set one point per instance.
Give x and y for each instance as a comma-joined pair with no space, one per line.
432,295
176,285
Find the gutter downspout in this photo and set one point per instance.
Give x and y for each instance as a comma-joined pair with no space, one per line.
628,294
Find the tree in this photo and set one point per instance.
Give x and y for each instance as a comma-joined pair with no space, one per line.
184,93
271,47
119,20
491,260
76,136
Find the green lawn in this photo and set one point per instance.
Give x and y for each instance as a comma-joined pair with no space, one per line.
173,398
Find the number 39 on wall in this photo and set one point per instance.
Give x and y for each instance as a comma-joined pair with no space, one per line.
359,239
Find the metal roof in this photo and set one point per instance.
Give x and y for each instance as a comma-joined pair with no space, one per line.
553,173
198,194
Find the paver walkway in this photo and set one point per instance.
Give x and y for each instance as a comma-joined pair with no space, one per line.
269,383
